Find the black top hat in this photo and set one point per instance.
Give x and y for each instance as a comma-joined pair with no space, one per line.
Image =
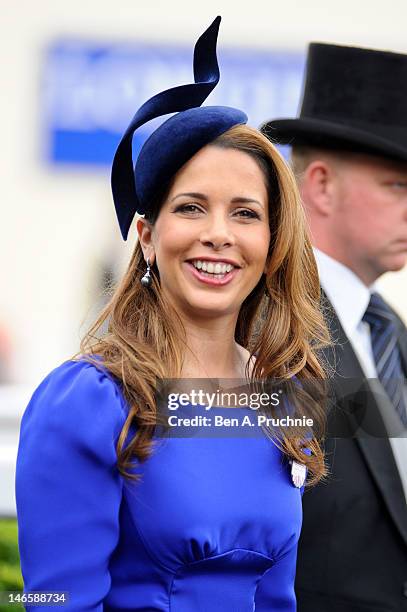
354,99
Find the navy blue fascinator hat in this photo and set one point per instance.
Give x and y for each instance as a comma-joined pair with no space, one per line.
176,140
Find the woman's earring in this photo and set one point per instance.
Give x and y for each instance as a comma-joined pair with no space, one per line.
147,279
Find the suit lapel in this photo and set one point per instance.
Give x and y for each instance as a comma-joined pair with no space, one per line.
376,451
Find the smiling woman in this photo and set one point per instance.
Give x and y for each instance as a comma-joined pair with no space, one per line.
212,231
222,284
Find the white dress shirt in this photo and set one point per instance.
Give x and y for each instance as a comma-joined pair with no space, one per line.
350,297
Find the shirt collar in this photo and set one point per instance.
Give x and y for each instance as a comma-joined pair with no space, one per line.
346,292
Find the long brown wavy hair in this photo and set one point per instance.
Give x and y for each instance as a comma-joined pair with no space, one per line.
280,322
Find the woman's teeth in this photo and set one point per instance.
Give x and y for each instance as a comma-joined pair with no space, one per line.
213,270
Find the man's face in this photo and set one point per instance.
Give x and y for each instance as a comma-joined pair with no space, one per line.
369,215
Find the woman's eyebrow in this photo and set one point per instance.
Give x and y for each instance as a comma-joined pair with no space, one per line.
191,194
242,200
202,196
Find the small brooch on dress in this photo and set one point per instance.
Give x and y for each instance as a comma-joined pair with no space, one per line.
298,473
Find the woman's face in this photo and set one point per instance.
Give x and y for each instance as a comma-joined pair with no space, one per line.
211,237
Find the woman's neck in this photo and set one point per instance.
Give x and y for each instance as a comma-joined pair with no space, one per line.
213,352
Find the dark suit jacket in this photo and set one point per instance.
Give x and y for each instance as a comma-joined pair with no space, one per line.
352,555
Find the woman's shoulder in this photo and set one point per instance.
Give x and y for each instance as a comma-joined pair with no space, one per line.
77,393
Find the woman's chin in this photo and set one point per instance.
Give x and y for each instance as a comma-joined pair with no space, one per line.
212,309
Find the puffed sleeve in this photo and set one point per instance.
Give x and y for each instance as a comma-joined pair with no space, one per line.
68,488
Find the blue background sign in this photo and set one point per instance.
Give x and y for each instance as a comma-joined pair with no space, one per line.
91,92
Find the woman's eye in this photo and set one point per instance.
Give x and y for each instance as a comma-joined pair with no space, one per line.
192,208
247,213
399,185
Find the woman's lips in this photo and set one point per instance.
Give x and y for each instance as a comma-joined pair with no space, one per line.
215,282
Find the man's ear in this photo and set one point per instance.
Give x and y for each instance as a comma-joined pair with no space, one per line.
317,185
145,236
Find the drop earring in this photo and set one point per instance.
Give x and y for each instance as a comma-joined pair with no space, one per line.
147,279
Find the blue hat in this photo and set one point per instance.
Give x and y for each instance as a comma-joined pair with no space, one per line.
176,140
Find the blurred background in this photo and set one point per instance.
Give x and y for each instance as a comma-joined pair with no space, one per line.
73,74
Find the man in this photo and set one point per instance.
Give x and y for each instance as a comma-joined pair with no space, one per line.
350,157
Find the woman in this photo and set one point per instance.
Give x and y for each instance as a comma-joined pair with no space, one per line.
108,511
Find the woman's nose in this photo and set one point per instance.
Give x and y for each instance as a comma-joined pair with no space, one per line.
217,232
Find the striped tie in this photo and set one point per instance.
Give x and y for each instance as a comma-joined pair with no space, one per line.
383,332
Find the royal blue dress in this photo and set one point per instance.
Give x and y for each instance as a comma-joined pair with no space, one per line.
212,526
